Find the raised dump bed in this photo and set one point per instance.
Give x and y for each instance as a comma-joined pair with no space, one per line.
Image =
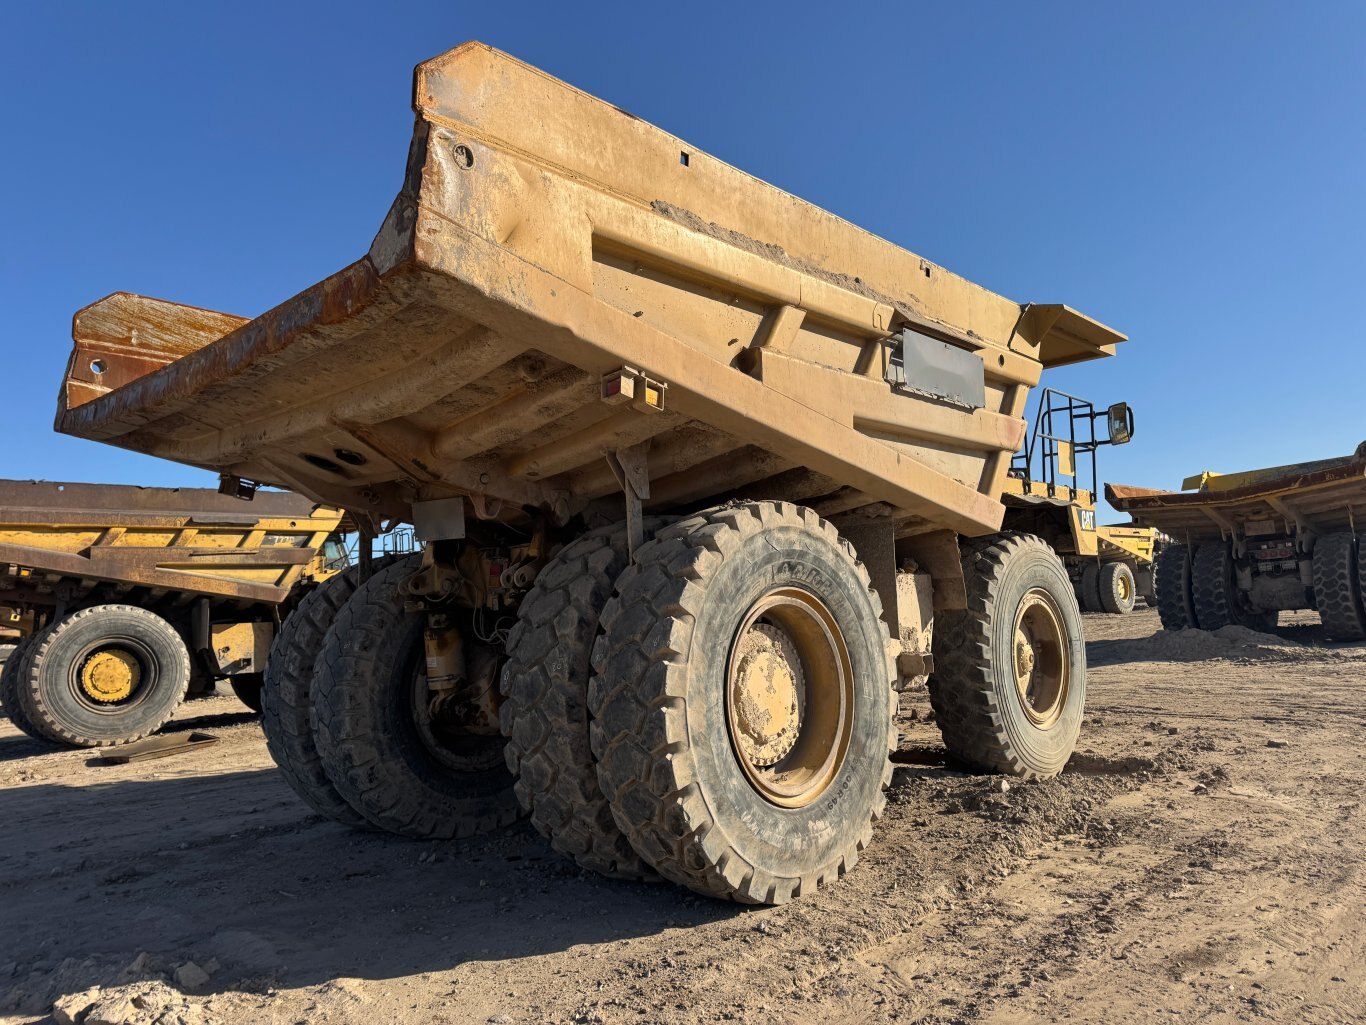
1250,545
128,598
630,393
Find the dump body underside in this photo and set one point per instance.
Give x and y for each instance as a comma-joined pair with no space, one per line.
193,541
1326,496
542,240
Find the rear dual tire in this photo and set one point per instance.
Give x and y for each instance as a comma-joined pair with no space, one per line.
750,773
545,704
9,688
287,708
370,738
1172,582
1107,587
1339,583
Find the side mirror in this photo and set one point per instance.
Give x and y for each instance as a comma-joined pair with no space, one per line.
1120,419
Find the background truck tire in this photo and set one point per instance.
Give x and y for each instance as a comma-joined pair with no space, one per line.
673,707
1215,594
1088,593
367,736
247,687
10,676
287,704
1211,571
1018,593
1118,589
1172,581
1337,587
545,704
109,674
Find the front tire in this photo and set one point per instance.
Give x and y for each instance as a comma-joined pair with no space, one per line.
743,703
371,739
1214,592
1009,686
105,675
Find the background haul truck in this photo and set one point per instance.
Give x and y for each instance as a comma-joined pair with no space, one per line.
696,464
1251,545
126,599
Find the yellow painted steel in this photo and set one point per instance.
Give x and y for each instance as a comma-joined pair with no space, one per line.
110,676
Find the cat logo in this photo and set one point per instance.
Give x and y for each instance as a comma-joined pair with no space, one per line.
1088,518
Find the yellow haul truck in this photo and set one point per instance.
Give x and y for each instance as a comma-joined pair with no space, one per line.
1250,545
1051,493
126,599
696,465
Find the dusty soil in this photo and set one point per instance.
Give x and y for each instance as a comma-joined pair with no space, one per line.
1204,861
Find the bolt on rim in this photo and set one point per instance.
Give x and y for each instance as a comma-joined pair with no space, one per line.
789,697
1041,659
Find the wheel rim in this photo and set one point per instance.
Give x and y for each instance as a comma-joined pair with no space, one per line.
789,697
1040,659
439,734
108,676
1125,588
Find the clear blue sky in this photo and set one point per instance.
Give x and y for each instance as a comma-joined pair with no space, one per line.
1192,174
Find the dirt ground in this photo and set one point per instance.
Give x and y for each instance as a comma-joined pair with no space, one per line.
1205,860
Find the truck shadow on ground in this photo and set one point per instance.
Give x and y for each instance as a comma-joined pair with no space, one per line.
231,866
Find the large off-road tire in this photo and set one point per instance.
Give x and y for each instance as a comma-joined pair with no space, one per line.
1211,571
105,675
1009,683
1172,582
545,704
247,687
743,703
287,703
1145,585
1118,589
1088,591
1214,592
10,676
1338,588
373,740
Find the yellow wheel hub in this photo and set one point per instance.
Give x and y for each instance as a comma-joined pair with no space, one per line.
110,676
1042,658
765,684
1124,587
789,697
